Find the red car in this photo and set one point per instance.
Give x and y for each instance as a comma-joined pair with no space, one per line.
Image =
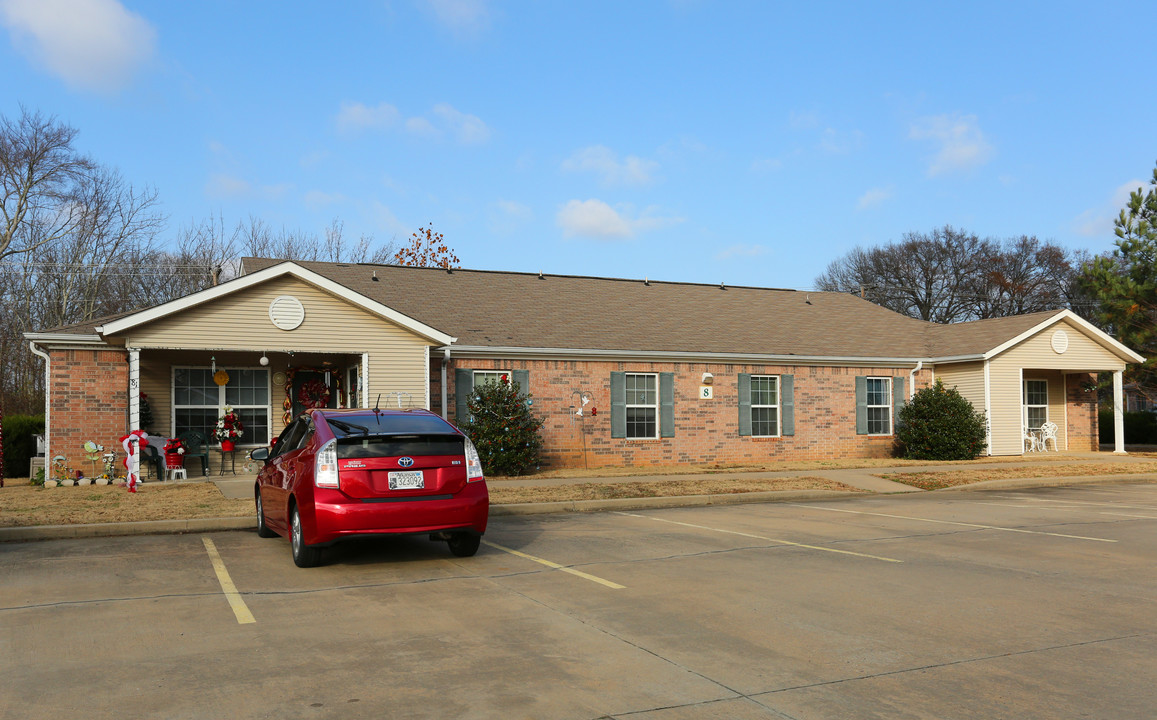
338,474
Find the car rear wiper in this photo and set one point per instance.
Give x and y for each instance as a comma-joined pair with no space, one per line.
348,427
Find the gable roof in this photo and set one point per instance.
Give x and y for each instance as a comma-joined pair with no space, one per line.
275,270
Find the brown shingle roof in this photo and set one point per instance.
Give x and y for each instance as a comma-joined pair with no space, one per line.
524,310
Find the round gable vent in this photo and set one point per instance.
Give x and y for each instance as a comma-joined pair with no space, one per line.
1060,341
286,312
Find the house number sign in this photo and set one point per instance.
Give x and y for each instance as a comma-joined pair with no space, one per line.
706,392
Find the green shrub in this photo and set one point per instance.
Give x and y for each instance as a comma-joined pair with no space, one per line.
19,443
1140,427
939,424
503,429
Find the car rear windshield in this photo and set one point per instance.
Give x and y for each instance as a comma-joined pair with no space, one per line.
355,425
372,446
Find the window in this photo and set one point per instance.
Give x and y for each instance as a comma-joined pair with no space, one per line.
482,377
642,405
764,406
879,406
198,401
1036,403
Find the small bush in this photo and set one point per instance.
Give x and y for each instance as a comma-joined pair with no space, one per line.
1140,427
939,424
19,443
503,429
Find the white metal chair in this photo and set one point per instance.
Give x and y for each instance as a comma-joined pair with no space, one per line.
1048,431
1032,440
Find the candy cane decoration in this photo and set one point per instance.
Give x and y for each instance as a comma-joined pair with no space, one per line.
131,442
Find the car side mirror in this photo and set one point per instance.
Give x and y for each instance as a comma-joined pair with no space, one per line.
261,454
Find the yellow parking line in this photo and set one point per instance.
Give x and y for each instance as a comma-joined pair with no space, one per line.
768,539
961,524
556,566
227,586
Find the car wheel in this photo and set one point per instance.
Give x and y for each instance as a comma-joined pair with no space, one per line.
304,556
464,544
262,529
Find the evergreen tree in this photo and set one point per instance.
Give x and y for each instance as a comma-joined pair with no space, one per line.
146,413
503,429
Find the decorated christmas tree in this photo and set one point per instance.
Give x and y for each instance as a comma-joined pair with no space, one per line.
503,429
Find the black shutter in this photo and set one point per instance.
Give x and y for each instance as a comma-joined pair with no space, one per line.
787,404
666,405
618,405
861,405
463,386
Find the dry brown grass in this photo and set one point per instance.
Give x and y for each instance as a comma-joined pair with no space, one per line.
799,466
500,495
952,478
23,505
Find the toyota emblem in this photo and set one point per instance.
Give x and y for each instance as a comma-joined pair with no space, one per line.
405,461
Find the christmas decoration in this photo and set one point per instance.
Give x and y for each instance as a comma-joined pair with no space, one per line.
503,429
131,443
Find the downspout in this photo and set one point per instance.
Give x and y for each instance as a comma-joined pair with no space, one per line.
445,395
912,379
47,403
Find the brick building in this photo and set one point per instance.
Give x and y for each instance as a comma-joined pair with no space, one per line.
622,371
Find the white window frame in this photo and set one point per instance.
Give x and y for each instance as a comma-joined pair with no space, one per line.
497,376
1025,403
777,414
628,406
868,406
220,407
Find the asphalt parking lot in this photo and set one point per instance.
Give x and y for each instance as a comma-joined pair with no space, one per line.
996,604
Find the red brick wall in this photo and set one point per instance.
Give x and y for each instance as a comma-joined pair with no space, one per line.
706,431
1082,412
88,400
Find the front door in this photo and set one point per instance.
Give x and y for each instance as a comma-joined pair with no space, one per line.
310,390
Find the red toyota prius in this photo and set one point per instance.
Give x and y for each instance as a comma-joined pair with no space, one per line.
339,474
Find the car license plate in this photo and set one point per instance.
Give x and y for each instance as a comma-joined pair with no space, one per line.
406,480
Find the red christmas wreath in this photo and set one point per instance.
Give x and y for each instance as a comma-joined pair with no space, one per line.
313,394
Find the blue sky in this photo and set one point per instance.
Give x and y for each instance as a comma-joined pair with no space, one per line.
749,143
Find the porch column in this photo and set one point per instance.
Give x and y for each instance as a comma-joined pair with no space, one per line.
1118,413
134,389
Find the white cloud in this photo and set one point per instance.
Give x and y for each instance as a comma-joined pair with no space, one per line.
962,144
90,44
596,219
874,197
357,116
741,251
385,220
468,129
507,216
462,16
317,199
836,142
230,186
601,160
1098,222
763,165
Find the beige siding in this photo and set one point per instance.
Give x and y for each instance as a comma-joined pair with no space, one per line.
240,322
967,378
1035,357
1083,353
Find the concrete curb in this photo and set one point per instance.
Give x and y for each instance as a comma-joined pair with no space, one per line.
1065,481
151,527
666,502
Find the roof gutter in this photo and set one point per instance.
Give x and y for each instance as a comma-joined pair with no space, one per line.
912,379
476,351
63,339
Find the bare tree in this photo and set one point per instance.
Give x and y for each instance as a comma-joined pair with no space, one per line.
41,180
951,275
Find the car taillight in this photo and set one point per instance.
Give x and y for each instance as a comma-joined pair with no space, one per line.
473,463
325,468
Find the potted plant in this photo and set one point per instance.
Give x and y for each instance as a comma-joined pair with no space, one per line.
174,453
229,429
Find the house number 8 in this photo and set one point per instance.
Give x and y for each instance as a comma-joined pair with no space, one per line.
706,392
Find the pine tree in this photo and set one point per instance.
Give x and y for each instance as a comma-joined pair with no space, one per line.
503,429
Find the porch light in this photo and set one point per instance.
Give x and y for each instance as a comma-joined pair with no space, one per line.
264,360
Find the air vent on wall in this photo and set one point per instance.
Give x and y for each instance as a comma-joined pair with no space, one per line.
286,312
